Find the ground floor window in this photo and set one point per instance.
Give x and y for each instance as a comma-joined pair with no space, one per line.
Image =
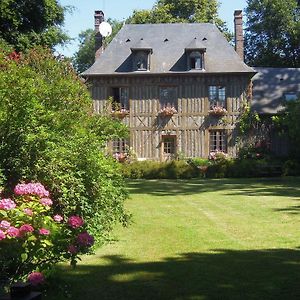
120,149
218,141
169,144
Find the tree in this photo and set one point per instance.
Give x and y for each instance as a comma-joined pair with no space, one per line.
181,11
85,56
25,23
273,33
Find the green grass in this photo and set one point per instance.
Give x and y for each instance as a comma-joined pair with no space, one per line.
198,239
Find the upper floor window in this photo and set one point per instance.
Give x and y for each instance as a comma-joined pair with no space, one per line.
141,61
291,96
168,97
120,98
217,96
195,60
141,53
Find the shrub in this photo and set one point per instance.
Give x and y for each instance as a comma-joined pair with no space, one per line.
50,134
33,237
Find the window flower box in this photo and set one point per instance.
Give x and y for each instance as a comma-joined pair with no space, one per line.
120,114
217,111
168,111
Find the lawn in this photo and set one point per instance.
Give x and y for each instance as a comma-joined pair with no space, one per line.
197,239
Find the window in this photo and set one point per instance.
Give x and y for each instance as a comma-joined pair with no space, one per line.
120,98
292,96
141,61
168,97
169,144
119,146
217,96
217,141
196,60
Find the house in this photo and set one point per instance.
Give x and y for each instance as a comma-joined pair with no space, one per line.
272,88
180,88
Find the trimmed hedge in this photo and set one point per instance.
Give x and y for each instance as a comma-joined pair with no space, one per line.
197,168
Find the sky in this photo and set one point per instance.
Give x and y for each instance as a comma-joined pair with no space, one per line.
82,16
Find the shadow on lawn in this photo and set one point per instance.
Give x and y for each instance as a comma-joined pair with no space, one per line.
223,274
280,186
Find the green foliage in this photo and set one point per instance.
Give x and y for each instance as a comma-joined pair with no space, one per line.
273,33
181,11
248,120
26,23
50,134
289,120
153,169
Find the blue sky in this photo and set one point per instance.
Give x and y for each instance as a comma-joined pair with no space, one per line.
82,17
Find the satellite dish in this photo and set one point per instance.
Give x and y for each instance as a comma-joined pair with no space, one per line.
105,29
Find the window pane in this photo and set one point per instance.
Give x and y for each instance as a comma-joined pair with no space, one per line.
218,140
120,98
217,96
168,97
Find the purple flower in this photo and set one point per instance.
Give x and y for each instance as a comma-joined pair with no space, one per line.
58,218
72,249
7,204
85,239
75,221
46,201
44,231
4,224
26,228
13,232
31,189
2,235
36,278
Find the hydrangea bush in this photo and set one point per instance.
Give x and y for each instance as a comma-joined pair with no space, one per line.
33,237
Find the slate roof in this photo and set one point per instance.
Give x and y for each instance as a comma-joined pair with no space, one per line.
270,86
168,42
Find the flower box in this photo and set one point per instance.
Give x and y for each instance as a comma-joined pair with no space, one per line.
217,111
120,114
168,111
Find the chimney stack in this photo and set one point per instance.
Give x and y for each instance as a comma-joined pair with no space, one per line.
99,18
238,32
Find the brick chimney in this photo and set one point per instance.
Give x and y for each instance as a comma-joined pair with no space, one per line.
238,33
99,18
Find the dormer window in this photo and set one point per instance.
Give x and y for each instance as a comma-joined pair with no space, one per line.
196,60
141,61
195,55
141,56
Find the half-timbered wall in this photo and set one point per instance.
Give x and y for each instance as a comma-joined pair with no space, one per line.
191,124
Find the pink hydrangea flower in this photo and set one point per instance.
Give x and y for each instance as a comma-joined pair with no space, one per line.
46,201
85,239
36,278
31,189
4,224
75,221
44,231
2,235
13,232
7,204
26,228
72,249
58,218
28,211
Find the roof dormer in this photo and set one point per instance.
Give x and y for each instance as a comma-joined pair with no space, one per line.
141,56
195,55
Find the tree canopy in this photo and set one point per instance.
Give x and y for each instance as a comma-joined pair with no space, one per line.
25,23
273,33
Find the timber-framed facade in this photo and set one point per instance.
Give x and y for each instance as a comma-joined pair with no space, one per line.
179,88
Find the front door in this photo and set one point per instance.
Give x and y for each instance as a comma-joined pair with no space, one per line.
168,147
